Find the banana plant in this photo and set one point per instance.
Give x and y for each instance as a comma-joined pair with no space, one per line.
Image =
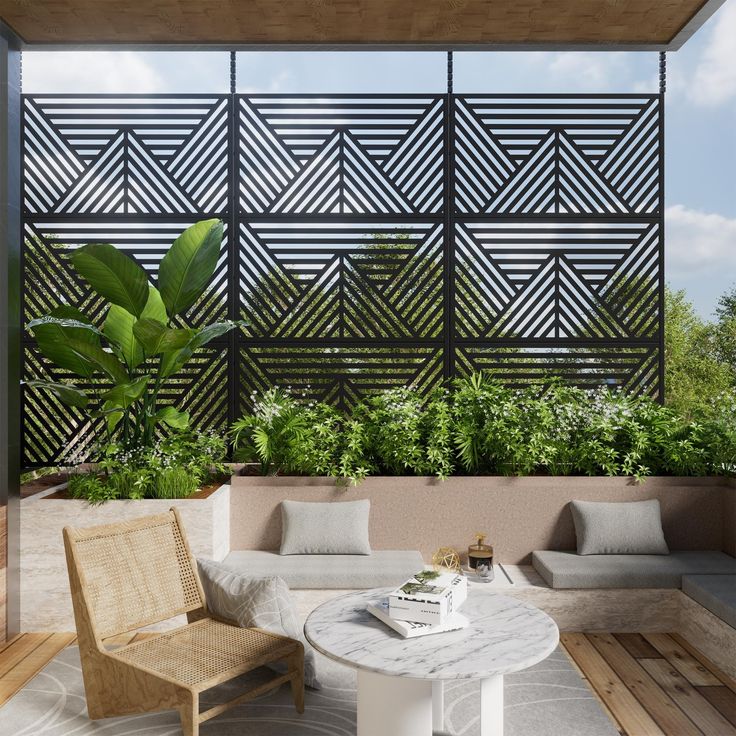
138,346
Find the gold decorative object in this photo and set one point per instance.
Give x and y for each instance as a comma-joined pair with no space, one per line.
480,552
448,558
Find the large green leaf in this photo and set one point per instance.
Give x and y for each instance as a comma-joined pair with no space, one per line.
210,332
118,327
174,361
112,415
64,311
125,394
113,275
100,359
171,417
53,335
69,395
155,308
157,338
187,267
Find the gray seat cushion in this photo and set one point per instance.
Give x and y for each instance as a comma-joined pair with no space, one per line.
717,593
381,568
570,570
626,528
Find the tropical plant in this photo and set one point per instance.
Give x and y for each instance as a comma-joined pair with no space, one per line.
288,435
138,347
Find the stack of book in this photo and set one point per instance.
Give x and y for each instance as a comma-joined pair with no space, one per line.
428,603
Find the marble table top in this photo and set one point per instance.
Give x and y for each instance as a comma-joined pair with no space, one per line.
505,635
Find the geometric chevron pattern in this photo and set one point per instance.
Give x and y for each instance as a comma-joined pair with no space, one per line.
49,279
55,433
558,238
358,280
342,242
130,155
370,240
341,154
522,154
567,280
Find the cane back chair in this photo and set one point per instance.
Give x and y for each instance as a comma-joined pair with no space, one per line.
133,574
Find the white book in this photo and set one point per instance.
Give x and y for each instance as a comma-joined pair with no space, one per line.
429,597
411,629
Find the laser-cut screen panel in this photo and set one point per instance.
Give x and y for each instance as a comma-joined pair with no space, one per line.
371,240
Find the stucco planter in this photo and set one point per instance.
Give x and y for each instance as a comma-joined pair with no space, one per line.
519,514
44,596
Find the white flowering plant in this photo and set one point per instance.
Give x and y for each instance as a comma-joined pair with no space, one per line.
175,466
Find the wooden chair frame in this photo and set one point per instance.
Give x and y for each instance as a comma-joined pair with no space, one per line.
115,683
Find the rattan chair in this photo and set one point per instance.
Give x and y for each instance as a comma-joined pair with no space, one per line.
136,573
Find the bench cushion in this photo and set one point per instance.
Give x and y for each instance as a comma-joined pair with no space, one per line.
381,568
717,593
570,570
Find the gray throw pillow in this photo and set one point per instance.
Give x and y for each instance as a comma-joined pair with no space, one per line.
628,528
339,528
263,602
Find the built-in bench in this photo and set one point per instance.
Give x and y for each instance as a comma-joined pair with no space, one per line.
573,571
382,568
717,593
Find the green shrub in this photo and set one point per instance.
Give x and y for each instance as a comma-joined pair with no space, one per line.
289,436
480,426
175,482
174,467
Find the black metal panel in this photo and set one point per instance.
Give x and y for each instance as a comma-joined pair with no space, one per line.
374,240
133,171
558,238
342,242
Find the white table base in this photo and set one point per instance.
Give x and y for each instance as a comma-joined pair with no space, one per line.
402,706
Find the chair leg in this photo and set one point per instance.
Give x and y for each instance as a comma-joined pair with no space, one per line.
296,666
189,713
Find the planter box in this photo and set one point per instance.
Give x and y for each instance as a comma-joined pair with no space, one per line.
44,594
519,514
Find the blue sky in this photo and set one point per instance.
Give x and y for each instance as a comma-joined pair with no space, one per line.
700,122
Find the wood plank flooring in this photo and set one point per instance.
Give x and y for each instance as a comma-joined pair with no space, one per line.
655,684
649,684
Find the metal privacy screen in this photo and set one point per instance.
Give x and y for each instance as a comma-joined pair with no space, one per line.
371,240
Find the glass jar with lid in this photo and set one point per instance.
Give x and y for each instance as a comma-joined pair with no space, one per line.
480,551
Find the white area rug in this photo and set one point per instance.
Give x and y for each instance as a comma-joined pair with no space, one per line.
549,699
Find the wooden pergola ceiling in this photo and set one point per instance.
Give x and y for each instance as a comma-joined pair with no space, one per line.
563,24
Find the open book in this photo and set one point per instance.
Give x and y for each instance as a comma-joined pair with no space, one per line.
410,629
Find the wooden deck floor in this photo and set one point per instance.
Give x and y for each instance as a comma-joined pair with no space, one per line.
649,684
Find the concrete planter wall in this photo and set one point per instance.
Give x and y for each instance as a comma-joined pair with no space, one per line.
519,515
44,595
729,517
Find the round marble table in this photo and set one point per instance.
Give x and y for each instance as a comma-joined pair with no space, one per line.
400,680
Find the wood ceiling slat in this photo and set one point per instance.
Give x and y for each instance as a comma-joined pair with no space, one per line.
563,22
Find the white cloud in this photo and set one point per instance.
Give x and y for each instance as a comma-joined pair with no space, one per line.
280,82
89,71
588,70
714,79
698,243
